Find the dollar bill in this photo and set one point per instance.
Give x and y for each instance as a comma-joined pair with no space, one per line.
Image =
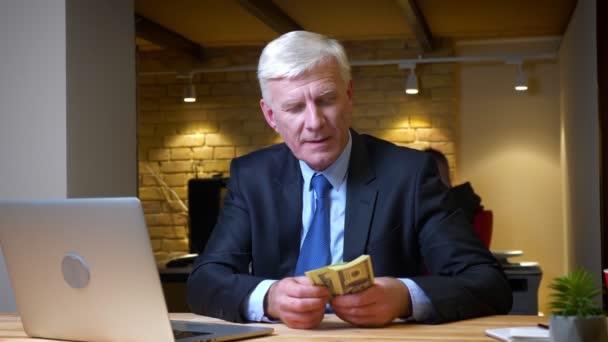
345,278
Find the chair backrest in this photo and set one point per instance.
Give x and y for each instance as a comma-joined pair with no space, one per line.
482,223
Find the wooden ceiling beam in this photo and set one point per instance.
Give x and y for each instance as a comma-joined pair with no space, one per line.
271,15
161,36
417,24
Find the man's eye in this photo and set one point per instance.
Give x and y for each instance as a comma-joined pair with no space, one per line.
295,109
325,101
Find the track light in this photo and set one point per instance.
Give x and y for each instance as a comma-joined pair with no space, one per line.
189,92
411,85
521,79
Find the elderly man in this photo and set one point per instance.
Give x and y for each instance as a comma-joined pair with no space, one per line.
328,195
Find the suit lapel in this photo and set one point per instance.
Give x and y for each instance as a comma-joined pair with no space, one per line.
289,206
360,200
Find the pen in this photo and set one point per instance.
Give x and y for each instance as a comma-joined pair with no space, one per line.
544,326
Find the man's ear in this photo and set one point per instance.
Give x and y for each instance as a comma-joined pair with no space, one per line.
268,114
349,91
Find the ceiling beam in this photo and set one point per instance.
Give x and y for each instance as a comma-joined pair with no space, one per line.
161,36
271,15
417,24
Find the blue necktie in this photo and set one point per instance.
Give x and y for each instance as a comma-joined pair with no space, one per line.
315,251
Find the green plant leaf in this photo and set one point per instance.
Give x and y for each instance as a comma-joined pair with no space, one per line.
574,295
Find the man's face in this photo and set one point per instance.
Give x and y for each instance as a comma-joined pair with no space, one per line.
312,113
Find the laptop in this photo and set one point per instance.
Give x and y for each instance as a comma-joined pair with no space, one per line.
83,269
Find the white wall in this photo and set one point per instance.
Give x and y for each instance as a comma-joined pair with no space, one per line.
67,103
102,136
510,152
32,107
580,138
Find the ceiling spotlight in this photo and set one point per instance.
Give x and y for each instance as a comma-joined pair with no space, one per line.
189,92
411,85
521,79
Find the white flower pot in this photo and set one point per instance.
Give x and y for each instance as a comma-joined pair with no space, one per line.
578,329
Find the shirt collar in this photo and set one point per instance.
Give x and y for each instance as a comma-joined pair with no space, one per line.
335,173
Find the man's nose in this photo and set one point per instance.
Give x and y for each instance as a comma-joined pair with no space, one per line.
314,119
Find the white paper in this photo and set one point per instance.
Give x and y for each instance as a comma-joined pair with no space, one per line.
519,334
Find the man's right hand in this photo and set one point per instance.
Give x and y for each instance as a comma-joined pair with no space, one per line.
297,302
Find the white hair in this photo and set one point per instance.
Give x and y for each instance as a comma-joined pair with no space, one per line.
297,52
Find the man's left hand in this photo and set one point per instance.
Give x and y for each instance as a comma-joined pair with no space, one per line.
376,306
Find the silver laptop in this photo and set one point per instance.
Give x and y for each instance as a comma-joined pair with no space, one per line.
83,269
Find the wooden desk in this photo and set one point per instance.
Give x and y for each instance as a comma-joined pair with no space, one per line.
333,329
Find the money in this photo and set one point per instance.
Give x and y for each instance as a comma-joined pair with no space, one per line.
345,278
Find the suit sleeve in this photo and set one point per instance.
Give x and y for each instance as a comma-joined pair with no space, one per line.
220,281
465,279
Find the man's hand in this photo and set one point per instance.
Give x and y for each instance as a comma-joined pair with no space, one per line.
376,306
297,302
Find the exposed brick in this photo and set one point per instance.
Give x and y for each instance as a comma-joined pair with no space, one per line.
400,121
243,150
148,180
225,140
171,245
436,80
159,232
156,245
445,147
148,105
186,116
176,166
420,121
429,134
223,153
177,179
189,140
236,77
216,165
150,194
145,130
202,152
255,127
363,123
369,96
196,127
174,205
151,117
440,68
181,153
265,139
181,192
419,145
181,232
150,207
159,154
390,83
152,91
396,135
232,126
442,93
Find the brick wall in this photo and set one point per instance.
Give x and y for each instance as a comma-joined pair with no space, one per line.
179,141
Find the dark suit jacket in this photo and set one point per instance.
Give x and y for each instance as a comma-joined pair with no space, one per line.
393,213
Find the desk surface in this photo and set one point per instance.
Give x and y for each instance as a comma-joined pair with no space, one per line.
333,329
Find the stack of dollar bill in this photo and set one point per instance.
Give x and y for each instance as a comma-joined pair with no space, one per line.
345,278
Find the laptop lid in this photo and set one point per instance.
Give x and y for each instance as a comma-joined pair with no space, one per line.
83,269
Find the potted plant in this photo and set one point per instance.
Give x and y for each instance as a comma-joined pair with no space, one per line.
576,316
